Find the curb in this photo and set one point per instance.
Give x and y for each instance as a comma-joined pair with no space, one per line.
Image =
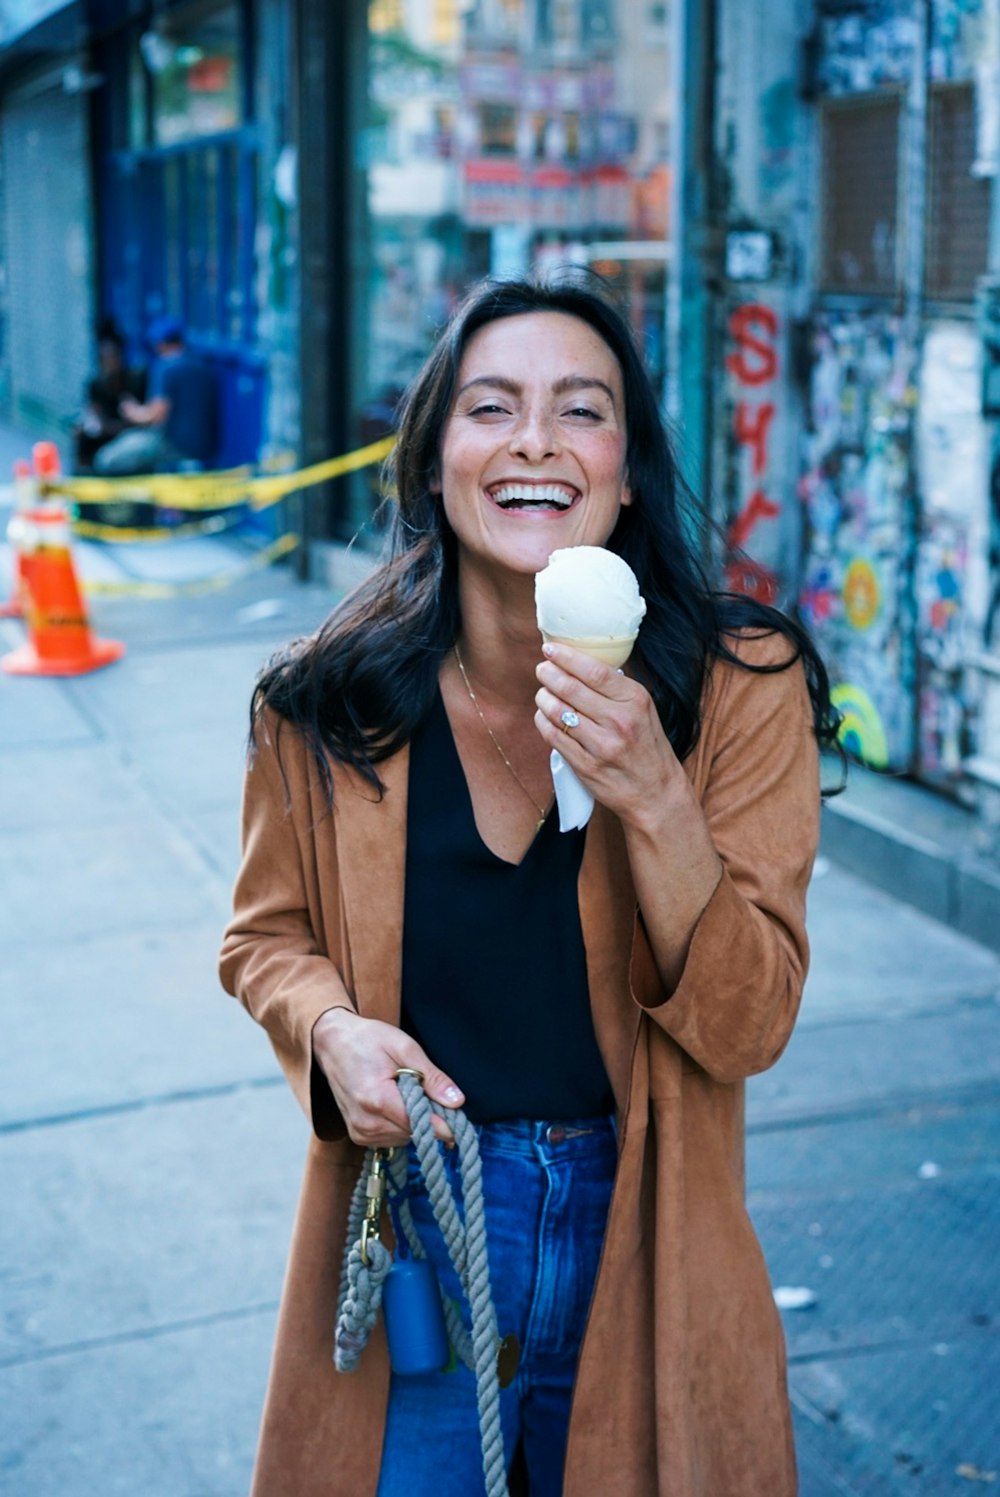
953,885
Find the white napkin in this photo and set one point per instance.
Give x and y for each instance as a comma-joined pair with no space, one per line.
575,802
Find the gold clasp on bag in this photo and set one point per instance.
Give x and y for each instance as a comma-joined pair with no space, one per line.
371,1227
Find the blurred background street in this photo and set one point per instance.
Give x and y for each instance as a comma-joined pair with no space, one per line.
798,202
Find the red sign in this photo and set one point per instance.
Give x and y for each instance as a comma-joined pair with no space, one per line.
753,365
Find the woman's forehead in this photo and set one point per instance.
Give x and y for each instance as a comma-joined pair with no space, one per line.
548,342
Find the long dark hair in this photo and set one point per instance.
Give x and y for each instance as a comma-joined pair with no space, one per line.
359,686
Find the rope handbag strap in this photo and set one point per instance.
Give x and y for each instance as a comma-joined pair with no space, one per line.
368,1261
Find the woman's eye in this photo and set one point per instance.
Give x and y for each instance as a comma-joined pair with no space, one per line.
488,408
585,412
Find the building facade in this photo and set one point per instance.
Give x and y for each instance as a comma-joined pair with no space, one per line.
309,188
856,253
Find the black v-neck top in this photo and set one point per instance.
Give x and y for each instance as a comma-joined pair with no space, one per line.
494,970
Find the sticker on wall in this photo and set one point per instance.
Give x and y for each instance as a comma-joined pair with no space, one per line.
862,594
861,731
818,602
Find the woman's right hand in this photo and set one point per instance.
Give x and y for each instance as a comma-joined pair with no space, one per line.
359,1058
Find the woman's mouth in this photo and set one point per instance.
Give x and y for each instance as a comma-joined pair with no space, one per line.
553,498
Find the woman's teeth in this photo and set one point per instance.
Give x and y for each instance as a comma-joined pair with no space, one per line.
535,496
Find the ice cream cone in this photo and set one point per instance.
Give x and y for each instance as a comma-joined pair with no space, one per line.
608,649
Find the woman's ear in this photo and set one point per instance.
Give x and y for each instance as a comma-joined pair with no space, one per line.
626,494
434,482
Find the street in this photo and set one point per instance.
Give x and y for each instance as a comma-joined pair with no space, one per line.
150,1154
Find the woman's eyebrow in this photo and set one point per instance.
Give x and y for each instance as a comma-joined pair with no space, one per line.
494,381
561,386
583,382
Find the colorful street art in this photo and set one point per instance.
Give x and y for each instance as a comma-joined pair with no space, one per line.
951,583
856,493
861,730
900,577
874,47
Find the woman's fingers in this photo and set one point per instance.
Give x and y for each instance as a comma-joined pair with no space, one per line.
607,729
361,1059
586,684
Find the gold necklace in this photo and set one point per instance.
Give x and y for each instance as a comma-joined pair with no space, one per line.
542,813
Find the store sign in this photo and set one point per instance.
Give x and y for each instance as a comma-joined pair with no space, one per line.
495,192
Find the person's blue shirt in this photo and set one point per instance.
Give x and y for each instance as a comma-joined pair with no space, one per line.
190,387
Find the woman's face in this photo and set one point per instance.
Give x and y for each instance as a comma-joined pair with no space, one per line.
533,450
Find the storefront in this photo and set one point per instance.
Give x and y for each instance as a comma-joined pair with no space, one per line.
499,137
177,163
46,223
309,188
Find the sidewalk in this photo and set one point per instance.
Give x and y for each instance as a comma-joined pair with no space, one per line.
150,1153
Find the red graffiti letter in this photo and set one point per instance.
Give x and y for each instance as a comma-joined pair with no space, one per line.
741,323
758,507
752,426
749,577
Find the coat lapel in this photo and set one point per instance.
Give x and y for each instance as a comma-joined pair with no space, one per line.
371,852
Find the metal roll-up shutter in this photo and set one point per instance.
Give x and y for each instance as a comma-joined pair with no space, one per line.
47,246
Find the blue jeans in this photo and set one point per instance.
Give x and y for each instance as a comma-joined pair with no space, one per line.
547,1189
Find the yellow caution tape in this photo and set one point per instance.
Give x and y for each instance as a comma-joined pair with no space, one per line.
221,490
263,558
88,530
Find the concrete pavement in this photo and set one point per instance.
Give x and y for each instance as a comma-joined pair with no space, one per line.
149,1153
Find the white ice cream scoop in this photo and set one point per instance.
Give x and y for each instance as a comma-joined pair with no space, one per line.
589,598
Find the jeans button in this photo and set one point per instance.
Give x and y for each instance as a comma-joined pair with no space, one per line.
555,1133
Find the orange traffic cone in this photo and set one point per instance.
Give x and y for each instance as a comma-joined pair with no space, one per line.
60,642
46,463
25,495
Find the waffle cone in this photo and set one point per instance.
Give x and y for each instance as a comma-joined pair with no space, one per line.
608,648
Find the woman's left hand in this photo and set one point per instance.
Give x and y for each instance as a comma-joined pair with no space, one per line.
618,749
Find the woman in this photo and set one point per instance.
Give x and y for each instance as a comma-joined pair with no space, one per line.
594,1000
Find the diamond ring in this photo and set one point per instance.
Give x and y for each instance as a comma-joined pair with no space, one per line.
569,719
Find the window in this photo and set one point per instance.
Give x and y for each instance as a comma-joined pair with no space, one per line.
958,204
188,72
520,142
860,156
497,129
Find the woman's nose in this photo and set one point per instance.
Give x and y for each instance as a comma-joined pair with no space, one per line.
535,436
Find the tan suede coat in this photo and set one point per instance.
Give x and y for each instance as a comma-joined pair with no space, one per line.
681,1386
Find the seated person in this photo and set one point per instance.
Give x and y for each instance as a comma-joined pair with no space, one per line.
102,417
176,428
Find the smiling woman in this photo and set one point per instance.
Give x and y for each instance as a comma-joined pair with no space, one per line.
594,999
527,439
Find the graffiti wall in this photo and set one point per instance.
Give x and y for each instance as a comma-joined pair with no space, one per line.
896,583
874,47
895,489
856,593
952,582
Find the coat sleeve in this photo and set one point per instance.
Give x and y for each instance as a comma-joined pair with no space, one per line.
271,958
739,992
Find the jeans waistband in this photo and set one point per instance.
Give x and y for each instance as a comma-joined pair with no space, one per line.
525,1135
